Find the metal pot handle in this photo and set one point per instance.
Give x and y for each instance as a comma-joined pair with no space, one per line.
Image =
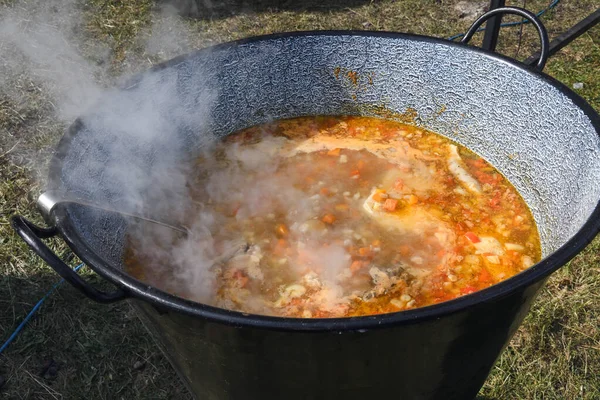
32,235
545,43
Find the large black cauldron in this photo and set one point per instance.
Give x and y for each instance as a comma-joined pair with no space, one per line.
541,135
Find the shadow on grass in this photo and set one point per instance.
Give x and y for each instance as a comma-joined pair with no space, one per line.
214,9
74,348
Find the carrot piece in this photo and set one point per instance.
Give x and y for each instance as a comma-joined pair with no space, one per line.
334,152
472,237
355,173
468,289
494,202
364,251
479,163
484,276
356,265
281,230
324,191
412,199
379,196
390,204
328,219
361,164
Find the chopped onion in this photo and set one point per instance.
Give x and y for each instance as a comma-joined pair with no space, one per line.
397,303
514,246
493,259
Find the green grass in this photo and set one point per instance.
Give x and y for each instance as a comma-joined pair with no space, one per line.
76,349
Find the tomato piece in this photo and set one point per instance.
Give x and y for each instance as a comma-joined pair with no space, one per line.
357,265
390,204
364,251
473,238
328,219
468,289
495,201
484,276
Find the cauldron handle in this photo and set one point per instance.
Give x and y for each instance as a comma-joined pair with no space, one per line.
33,235
545,43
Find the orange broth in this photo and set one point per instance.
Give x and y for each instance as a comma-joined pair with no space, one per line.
361,216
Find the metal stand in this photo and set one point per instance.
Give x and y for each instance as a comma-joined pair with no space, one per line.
492,27
492,30
568,36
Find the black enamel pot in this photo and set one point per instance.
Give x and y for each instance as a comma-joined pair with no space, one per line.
538,133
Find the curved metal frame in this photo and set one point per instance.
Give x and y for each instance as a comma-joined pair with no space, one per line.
544,41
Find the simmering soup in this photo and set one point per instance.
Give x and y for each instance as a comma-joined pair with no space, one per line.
321,217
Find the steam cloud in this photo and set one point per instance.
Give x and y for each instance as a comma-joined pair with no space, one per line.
45,42
155,117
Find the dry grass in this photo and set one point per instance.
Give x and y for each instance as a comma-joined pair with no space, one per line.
76,349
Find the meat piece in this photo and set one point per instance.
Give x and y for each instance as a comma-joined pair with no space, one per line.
289,293
311,280
413,171
330,300
455,165
248,262
412,220
489,244
381,281
527,262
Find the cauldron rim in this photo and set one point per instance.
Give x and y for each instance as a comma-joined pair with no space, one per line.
164,300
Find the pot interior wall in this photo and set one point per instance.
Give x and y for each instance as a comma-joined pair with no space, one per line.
531,131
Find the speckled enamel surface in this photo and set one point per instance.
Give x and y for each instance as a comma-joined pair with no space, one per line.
526,127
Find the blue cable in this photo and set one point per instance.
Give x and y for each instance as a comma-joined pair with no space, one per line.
525,21
33,310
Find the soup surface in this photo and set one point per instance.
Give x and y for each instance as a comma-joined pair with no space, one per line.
338,216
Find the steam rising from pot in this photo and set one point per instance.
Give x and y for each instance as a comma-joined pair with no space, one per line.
162,112
44,43
165,113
